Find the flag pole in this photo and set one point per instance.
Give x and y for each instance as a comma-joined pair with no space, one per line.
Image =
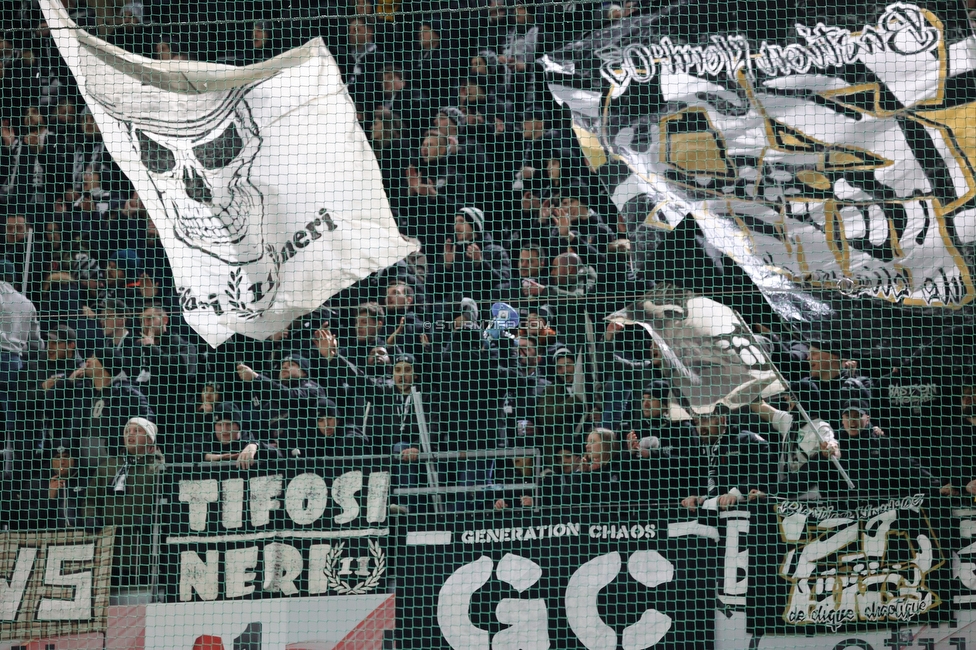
27,261
803,412
426,446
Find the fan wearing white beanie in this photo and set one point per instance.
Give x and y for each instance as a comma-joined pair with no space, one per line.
140,437
472,264
121,495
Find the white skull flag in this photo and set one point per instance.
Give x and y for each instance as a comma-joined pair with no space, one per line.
826,144
712,356
265,192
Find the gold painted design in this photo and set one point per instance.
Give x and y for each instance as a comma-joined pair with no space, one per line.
943,61
700,151
596,157
843,159
783,137
652,218
836,237
863,98
958,128
790,140
781,232
696,153
744,229
895,241
838,158
940,215
816,180
801,260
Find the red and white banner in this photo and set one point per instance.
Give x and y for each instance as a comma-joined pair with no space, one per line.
325,623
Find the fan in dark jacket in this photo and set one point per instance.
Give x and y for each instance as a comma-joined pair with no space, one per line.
438,176
232,440
360,61
733,465
121,495
469,373
394,416
660,450
597,477
878,465
830,384
435,65
90,406
560,411
163,365
957,466
472,265
290,405
60,359
578,228
330,439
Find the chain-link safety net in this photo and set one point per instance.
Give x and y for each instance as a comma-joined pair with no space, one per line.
487,325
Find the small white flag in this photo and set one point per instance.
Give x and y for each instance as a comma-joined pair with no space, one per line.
712,356
266,194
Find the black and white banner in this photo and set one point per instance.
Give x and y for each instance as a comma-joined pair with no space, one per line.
261,183
964,558
825,569
827,146
657,578
573,581
311,528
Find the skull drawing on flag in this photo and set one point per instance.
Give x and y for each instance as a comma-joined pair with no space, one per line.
212,170
258,179
201,170
199,160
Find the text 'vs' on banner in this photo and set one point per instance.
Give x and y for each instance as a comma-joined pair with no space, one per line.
56,583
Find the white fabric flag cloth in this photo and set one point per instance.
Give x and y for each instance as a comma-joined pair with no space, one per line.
712,356
266,194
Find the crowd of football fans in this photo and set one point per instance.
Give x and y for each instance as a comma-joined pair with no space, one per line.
101,380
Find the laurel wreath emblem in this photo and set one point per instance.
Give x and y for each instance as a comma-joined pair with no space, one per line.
238,299
344,588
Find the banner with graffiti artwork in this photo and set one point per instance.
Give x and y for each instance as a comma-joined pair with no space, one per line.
829,149
311,528
964,558
573,581
828,569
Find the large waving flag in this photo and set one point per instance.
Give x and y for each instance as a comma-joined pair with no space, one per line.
826,146
265,192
